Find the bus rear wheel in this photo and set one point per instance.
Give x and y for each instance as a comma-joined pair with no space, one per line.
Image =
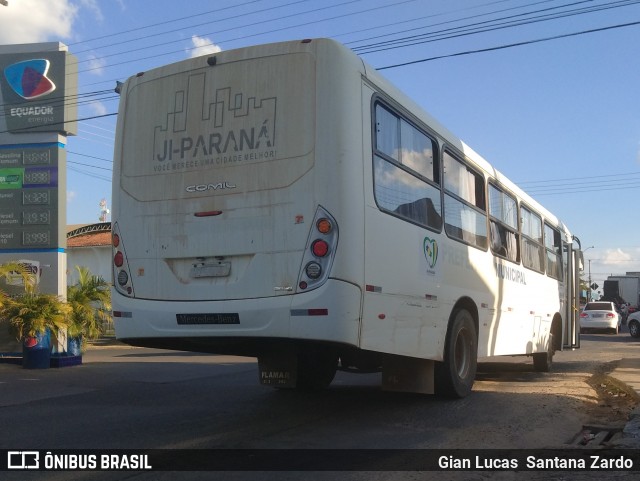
542,360
454,376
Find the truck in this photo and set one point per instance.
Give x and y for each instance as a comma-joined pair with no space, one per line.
628,288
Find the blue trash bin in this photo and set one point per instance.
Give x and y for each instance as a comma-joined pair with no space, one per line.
36,351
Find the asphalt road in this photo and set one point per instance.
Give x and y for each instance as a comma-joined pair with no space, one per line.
134,398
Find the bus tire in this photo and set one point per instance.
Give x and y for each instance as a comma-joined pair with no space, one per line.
454,376
542,361
316,369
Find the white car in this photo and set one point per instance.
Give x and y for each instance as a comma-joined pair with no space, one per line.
633,323
600,315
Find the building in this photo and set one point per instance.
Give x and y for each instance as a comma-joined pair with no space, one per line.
89,246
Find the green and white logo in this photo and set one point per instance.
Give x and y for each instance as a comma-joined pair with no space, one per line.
430,248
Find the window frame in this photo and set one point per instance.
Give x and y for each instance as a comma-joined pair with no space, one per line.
539,244
435,184
555,250
502,225
456,156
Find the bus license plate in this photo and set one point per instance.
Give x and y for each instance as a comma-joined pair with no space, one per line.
221,269
207,318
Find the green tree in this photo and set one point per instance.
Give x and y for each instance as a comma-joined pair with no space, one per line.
90,301
31,312
12,269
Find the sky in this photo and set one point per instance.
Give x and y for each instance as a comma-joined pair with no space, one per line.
548,91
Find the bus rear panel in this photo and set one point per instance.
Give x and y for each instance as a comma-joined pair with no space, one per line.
228,218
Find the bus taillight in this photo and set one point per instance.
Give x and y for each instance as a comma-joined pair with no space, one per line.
319,252
324,225
313,270
319,248
121,276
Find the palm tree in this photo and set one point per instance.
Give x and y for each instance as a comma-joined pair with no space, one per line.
31,313
90,301
12,269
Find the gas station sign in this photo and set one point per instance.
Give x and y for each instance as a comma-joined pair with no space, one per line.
29,201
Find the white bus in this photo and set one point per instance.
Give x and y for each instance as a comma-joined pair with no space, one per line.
286,202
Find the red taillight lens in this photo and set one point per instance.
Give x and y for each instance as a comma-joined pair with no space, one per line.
118,259
320,248
116,240
584,314
610,315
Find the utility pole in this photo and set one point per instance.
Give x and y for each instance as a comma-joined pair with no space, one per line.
589,290
589,286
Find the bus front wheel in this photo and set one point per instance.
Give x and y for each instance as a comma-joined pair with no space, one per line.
454,376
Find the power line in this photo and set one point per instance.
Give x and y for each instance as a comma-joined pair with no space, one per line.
624,174
610,5
90,156
26,129
205,23
594,185
157,24
88,165
581,191
260,22
72,99
460,53
491,25
89,174
511,45
460,28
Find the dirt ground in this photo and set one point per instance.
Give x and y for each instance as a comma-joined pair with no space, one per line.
615,400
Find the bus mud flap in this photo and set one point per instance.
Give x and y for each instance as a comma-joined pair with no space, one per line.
407,374
280,371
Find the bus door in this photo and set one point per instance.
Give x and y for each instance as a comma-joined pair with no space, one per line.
571,315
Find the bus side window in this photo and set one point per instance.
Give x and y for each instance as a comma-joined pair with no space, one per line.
387,133
553,245
532,242
464,203
417,152
406,172
503,211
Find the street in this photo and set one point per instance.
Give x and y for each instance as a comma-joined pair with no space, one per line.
134,398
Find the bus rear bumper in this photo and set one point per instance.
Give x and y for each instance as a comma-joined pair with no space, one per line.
329,314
